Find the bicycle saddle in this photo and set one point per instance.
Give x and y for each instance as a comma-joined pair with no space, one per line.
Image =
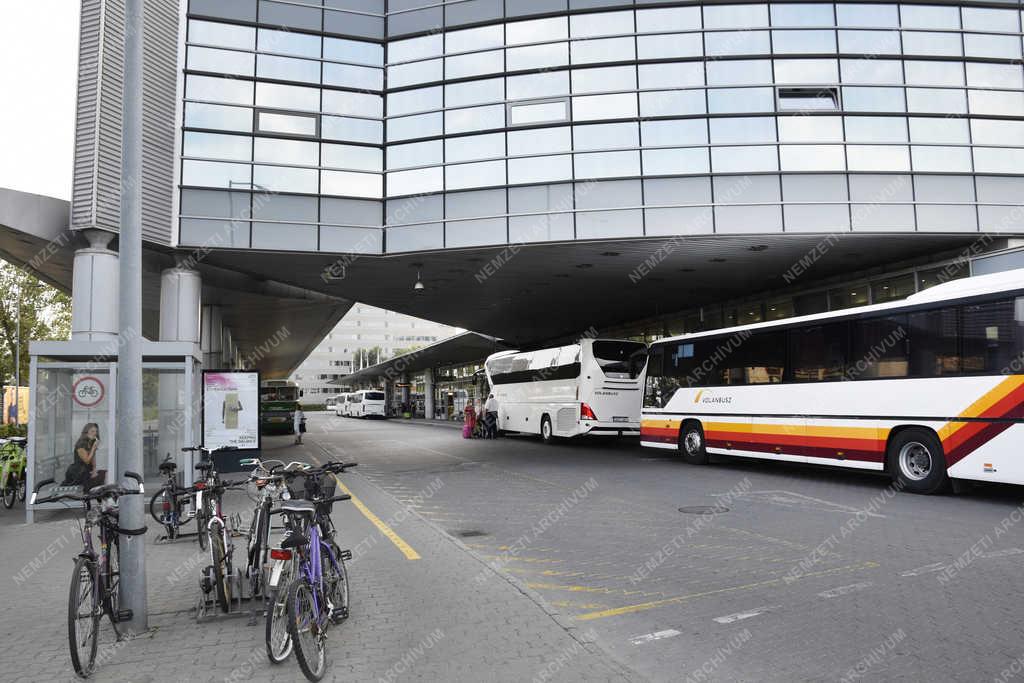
166,467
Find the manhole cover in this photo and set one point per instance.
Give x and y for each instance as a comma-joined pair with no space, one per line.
469,533
703,509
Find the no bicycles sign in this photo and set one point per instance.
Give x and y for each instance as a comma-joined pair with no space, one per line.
88,391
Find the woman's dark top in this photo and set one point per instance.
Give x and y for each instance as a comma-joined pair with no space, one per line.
85,443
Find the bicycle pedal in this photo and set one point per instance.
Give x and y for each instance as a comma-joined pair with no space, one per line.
346,555
124,615
339,613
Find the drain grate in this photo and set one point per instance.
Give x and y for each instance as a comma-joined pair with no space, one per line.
469,533
703,509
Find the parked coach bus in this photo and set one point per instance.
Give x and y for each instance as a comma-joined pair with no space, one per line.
368,403
928,388
592,387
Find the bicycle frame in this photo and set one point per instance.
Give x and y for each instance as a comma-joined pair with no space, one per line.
312,570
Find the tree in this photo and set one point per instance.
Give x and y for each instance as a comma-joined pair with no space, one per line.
45,314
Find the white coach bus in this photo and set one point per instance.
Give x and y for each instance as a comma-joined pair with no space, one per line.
591,387
367,403
928,389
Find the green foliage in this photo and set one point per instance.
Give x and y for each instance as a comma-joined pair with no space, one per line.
13,430
45,314
408,349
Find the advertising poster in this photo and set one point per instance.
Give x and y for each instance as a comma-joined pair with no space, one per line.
231,409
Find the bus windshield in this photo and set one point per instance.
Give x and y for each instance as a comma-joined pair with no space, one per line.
288,394
620,359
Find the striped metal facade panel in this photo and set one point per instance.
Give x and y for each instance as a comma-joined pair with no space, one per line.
84,183
159,124
97,173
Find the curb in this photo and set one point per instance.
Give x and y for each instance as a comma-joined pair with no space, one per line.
566,622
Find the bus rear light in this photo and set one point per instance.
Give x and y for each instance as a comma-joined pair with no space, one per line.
280,554
586,412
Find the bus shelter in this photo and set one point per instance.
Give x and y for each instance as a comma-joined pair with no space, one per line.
73,386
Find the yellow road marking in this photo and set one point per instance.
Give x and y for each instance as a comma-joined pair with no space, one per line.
384,529
629,609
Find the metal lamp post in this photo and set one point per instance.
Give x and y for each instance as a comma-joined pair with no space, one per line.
17,361
128,440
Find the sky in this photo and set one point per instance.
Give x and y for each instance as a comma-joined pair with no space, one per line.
38,70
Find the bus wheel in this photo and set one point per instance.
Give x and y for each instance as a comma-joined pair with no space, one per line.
917,461
691,443
547,433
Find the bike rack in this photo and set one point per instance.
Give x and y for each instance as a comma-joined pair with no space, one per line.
243,603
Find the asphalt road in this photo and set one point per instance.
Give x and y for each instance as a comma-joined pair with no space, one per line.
770,571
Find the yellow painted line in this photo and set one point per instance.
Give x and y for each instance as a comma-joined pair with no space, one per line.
572,589
384,529
629,609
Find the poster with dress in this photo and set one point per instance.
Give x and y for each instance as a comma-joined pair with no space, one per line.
231,415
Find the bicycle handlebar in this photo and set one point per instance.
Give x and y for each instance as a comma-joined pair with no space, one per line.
95,493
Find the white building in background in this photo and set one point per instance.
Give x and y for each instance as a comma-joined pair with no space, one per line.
365,336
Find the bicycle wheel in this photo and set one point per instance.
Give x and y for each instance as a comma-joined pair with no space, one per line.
83,616
113,577
21,488
161,507
10,492
221,579
308,637
279,642
202,520
336,583
257,545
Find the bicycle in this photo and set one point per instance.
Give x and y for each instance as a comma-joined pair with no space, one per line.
202,510
319,595
214,530
12,470
171,506
269,486
94,582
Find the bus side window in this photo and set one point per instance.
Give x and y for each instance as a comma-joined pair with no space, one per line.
989,337
817,353
764,357
879,348
934,343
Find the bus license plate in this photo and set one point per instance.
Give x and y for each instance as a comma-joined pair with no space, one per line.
276,419
619,418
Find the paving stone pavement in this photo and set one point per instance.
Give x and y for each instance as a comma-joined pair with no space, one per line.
811,574
429,619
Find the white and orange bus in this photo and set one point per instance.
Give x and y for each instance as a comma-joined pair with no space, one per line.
928,389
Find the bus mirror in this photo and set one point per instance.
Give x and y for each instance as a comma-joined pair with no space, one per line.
301,393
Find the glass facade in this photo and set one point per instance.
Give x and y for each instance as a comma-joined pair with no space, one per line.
365,127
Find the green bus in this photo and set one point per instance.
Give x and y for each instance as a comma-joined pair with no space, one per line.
279,398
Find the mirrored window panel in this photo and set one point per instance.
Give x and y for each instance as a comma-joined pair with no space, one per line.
221,35
286,123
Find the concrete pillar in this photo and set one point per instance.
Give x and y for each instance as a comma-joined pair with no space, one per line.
228,352
180,305
212,340
428,393
180,316
94,287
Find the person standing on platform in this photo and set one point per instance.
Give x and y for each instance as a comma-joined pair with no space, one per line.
491,408
300,425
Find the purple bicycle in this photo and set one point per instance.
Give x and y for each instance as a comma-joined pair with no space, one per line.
318,596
